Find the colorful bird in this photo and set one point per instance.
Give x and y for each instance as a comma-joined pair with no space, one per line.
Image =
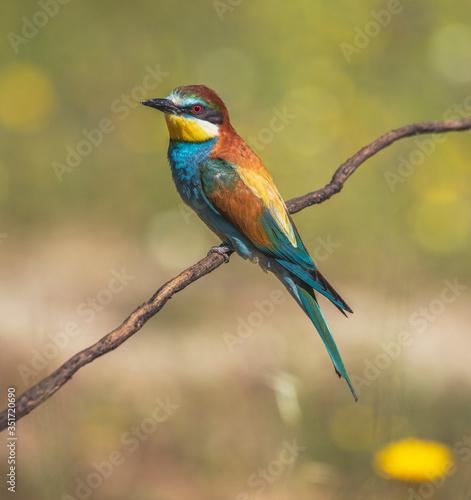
219,176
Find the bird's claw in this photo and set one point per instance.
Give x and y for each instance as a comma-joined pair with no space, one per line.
222,249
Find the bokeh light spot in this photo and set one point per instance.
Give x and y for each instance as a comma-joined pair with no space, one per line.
26,97
414,460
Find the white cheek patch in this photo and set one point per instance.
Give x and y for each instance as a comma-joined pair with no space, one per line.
211,129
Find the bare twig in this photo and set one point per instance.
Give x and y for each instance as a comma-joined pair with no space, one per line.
347,169
44,389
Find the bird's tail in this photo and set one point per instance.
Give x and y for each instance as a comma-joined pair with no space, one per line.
304,296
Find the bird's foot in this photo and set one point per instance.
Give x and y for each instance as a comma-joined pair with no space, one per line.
223,249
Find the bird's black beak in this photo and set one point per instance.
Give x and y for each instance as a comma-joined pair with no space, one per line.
164,105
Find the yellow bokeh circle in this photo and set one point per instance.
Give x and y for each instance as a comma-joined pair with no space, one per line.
414,460
26,97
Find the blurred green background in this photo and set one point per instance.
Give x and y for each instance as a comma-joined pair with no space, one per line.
80,206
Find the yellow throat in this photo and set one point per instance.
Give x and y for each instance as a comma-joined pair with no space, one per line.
190,129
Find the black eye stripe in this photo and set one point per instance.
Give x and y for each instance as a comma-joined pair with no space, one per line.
208,114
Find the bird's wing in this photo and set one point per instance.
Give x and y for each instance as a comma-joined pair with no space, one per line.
249,199
253,204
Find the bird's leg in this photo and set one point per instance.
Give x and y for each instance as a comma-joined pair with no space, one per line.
222,249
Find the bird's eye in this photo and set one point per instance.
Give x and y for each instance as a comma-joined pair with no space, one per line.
197,108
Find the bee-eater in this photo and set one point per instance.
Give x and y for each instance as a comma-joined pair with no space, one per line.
221,178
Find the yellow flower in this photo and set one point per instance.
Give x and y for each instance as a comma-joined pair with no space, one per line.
414,460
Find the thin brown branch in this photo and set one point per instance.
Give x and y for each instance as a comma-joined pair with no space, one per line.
44,389
349,167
